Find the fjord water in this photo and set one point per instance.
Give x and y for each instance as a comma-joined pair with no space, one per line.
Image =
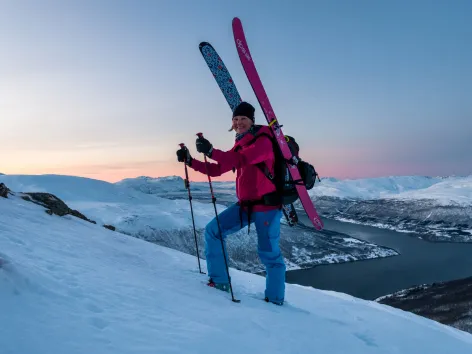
419,262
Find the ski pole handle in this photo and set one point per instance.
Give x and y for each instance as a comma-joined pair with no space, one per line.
186,181
200,135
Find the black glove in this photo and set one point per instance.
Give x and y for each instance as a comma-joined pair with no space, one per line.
204,146
183,155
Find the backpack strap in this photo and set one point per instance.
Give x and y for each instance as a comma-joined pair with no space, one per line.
261,165
265,170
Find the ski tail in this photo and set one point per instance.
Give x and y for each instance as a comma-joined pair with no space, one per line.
258,88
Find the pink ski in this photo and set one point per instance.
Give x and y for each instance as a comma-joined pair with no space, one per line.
255,81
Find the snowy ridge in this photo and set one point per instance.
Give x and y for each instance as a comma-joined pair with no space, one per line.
451,191
107,203
167,220
68,286
437,208
151,185
174,186
443,190
434,208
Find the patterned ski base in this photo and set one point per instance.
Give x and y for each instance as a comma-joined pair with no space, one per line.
221,74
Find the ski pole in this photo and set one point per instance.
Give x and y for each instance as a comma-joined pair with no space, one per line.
200,135
187,186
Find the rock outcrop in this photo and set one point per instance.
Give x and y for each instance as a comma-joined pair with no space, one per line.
4,191
53,204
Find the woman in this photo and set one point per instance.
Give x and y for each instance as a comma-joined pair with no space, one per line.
251,154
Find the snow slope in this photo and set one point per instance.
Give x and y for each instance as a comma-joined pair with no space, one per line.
457,190
435,208
443,190
127,209
68,286
150,185
141,207
451,191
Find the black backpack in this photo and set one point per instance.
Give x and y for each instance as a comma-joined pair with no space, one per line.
286,192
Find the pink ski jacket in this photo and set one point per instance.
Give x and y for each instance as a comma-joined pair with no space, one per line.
251,183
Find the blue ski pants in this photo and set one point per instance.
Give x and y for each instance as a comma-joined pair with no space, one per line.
267,225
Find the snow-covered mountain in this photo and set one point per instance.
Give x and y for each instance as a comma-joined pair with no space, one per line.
451,190
172,184
434,208
442,190
69,286
165,219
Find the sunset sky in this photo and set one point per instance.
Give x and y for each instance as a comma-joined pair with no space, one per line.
108,89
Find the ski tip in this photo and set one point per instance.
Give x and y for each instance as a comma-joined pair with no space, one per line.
236,21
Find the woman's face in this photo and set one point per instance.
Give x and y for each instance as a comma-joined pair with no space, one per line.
241,124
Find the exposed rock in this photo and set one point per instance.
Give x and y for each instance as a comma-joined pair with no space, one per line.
53,205
4,191
56,206
449,302
79,215
110,227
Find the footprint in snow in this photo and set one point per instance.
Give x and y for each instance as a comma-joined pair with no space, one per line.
366,339
93,308
99,323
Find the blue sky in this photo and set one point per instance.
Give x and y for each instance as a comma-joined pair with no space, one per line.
108,89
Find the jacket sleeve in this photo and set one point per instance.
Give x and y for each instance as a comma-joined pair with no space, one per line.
261,150
214,169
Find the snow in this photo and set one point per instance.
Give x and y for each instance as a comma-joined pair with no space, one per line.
128,209
444,190
144,208
456,191
374,224
151,185
69,286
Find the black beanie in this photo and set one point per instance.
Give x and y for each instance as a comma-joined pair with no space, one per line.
244,109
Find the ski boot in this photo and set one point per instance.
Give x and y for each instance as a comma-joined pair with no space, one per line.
278,303
219,286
